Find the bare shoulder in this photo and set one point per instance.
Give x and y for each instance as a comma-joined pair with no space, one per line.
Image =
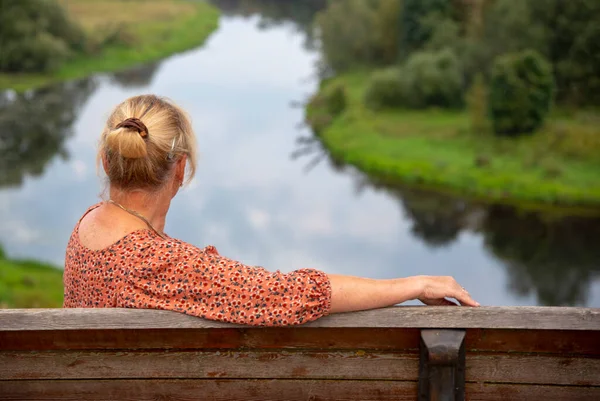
102,227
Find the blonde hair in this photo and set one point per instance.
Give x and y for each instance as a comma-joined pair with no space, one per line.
143,138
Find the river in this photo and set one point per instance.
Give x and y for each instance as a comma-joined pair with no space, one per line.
266,192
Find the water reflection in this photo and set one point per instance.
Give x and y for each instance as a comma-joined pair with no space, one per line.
273,13
552,257
34,127
137,77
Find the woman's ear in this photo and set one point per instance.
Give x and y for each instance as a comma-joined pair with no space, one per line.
105,163
180,168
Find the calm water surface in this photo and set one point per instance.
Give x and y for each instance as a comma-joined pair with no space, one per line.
266,192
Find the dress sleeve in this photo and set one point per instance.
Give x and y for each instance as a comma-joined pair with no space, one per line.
204,284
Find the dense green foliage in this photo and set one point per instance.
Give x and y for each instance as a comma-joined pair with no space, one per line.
428,79
433,79
437,148
418,22
521,93
359,32
571,34
336,100
121,34
36,36
386,89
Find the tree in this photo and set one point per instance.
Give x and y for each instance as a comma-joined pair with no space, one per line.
36,36
571,32
414,29
521,92
357,32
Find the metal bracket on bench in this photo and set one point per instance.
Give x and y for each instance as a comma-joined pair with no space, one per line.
442,365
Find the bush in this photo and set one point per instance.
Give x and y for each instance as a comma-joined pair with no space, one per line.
433,79
428,79
385,89
521,92
36,36
336,100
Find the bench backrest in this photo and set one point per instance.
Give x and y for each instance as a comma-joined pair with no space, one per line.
401,353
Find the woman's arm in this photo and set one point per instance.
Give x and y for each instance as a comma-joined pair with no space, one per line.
350,293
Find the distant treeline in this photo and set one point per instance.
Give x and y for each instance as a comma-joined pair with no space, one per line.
566,33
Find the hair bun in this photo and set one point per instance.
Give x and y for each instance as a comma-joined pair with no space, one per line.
136,124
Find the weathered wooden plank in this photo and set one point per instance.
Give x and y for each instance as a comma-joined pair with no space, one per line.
537,369
230,338
563,342
518,392
209,364
225,390
210,390
542,341
497,368
539,318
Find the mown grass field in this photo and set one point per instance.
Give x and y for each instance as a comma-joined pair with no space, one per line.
29,284
144,31
560,164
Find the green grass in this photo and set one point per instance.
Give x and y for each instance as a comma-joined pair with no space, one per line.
152,29
28,284
560,164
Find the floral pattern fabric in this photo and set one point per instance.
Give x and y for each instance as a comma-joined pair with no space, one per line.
143,270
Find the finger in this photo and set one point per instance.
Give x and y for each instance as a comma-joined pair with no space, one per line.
464,298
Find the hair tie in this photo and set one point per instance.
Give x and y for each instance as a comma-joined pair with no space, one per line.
136,124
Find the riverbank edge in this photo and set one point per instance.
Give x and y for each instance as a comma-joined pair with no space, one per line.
337,134
186,33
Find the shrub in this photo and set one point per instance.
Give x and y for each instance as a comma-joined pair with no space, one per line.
336,100
385,89
36,36
433,79
521,92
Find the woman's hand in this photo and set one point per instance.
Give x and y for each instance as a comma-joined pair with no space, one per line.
355,293
435,290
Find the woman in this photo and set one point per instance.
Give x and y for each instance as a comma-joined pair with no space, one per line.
119,256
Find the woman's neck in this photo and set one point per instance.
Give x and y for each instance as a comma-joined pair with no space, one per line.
152,205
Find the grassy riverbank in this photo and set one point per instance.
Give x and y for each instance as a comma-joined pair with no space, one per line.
437,148
29,284
125,33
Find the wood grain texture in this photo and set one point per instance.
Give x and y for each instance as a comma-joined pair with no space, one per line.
564,342
497,368
516,392
230,338
271,390
539,318
357,365
561,342
533,369
210,390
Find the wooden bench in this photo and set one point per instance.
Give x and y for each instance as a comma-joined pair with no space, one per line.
401,353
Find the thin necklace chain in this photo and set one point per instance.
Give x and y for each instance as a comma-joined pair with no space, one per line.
139,216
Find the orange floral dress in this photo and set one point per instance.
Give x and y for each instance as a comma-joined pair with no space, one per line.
143,270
